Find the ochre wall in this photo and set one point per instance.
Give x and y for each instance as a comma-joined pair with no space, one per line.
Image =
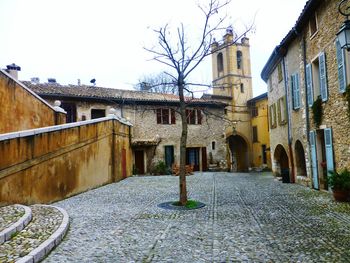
261,122
50,166
21,110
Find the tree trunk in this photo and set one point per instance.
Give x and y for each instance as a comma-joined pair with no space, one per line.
183,141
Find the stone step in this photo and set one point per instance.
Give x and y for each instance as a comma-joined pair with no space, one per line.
46,230
13,218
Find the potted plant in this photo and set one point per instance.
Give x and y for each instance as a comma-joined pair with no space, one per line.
340,184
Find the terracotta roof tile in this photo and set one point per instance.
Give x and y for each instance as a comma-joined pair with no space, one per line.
84,91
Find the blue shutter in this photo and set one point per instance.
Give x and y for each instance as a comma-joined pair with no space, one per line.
292,86
297,91
314,159
329,149
323,77
310,94
341,68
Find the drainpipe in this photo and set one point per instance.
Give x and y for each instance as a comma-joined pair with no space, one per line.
289,123
307,115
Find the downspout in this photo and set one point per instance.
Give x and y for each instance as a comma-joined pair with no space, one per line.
289,122
307,115
306,94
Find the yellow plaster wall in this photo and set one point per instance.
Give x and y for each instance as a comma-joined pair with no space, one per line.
50,166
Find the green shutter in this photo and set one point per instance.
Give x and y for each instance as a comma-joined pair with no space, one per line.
341,67
323,77
309,88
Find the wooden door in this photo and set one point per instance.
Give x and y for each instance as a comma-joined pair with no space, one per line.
139,162
204,159
124,163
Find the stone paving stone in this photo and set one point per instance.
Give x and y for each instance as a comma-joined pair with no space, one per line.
247,218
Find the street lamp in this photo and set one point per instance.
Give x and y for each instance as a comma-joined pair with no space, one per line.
344,32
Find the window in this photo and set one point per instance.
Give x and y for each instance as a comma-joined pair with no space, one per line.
220,62
239,59
71,110
316,79
194,116
213,145
97,113
272,116
166,116
255,134
254,111
281,111
225,111
169,155
242,87
313,24
270,84
342,61
295,89
280,73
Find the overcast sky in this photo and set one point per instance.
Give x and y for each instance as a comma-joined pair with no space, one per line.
104,39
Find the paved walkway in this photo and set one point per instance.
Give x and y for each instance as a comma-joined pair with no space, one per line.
248,218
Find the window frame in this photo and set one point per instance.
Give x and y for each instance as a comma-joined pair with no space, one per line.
165,116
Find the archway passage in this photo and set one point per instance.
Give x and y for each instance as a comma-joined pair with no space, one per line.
281,161
300,159
239,153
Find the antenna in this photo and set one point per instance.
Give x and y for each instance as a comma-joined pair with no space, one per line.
93,82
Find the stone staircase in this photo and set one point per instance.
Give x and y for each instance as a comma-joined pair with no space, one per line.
29,233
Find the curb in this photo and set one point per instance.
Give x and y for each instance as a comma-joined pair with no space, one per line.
18,226
45,248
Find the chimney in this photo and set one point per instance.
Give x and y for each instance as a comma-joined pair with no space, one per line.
35,80
51,80
13,70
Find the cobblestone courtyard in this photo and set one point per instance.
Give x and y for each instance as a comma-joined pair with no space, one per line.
248,218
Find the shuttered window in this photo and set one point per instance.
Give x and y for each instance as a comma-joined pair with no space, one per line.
295,89
166,116
323,76
309,86
341,67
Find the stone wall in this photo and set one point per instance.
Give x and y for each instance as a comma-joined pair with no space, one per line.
49,164
335,109
212,129
21,109
278,131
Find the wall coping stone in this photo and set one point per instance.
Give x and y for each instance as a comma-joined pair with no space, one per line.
31,132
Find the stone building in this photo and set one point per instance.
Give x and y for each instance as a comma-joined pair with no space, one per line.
310,72
232,84
156,122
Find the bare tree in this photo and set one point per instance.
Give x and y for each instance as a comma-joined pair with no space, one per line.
159,83
182,58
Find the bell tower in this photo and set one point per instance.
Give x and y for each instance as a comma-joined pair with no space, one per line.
232,83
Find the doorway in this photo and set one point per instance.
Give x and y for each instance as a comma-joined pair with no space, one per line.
140,161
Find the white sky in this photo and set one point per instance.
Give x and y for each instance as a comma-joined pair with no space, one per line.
104,39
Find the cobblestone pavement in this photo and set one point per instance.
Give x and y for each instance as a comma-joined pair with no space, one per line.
248,218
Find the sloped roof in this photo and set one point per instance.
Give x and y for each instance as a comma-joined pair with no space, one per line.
281,49
94,92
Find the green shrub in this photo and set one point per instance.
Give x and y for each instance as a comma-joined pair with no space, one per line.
339,181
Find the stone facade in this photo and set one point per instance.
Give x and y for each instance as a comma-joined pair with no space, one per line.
310,51
152,141
232,83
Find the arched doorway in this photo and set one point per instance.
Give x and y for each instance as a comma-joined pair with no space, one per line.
239,153
280,160
300,164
